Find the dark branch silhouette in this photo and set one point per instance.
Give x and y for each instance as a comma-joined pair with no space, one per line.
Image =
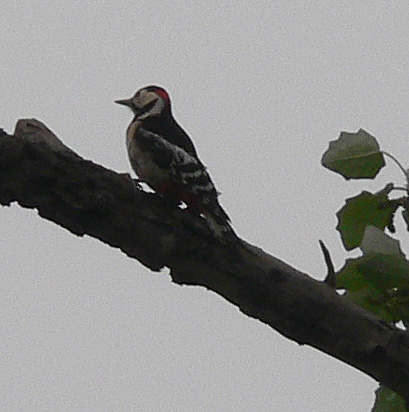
38,171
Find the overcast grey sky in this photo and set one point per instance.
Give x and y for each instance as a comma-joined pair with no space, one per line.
261,87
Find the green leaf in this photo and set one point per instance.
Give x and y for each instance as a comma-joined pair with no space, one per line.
363,210
388,401
350,276
379,283
376,240
405,212
405,216
354,156
385,272
373,301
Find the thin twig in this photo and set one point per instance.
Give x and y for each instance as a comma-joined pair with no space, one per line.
398,163
330,280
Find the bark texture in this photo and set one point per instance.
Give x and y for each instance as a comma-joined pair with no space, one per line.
38,171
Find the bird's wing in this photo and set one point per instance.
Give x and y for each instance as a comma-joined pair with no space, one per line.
184,168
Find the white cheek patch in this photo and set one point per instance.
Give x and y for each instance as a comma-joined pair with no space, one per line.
145,99
156,109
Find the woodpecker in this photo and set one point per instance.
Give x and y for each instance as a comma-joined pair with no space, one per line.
162,155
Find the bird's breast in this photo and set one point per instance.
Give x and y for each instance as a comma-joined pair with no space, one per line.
142,160
131,132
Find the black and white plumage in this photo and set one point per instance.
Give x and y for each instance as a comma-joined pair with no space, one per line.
163,156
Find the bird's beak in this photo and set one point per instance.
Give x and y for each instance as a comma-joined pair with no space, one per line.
125,102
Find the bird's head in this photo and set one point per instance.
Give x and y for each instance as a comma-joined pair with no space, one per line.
147,102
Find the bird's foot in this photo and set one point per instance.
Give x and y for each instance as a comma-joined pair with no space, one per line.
135,183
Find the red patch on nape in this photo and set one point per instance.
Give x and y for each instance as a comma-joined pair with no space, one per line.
163,94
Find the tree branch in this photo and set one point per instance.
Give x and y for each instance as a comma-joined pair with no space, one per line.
38,171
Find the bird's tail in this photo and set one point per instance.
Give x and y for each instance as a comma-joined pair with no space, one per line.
219,223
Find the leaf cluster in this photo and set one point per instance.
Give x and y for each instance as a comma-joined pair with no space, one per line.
378,279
